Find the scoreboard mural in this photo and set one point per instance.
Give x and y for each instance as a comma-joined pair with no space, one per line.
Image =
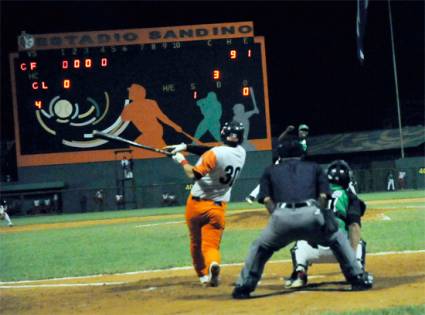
154,86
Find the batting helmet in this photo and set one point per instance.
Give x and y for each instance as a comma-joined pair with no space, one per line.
339,172
290,147
232,133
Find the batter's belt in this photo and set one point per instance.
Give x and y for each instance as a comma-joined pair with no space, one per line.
218,203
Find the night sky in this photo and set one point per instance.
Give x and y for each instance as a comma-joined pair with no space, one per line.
313,72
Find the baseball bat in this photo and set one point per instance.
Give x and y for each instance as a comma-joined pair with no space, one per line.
134,144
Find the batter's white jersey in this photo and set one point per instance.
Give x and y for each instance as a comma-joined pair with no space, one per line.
220,167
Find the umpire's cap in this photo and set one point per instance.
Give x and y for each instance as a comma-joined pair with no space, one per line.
303,127
290,147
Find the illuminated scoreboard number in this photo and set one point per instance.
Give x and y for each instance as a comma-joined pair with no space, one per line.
31,67
64,94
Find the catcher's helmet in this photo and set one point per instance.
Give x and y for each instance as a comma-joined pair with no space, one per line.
290,147
232,133
339,172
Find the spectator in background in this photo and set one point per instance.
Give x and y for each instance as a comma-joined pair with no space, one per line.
98,198
119,200
57,204
127,166
169,199
401,179
390,182
303,131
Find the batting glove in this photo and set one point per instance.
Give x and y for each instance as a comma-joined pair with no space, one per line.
176,148
179,158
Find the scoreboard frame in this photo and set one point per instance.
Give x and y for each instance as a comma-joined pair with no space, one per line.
204,32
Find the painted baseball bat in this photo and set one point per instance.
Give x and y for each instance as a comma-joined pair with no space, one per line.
253,97
134,144
192,138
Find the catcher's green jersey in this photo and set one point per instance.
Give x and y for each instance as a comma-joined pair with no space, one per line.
303,143
339,203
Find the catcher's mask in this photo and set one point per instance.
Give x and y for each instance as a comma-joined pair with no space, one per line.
290,147
339,172
232,133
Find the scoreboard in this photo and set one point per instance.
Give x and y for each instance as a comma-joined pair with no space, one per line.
155,86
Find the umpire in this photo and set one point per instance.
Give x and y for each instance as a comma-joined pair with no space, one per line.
295,193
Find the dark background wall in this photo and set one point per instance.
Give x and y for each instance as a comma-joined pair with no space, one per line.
153,177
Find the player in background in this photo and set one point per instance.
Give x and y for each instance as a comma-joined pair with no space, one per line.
303,131
215,172
3,213
390,182
348,209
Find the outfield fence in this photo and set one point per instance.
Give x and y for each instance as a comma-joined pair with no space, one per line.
131,196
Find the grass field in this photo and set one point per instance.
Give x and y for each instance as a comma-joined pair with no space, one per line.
149,239
406,310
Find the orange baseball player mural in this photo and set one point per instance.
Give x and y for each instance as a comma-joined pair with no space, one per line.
146,116
214,174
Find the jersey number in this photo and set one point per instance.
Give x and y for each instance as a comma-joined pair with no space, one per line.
334,199
231,175
331,203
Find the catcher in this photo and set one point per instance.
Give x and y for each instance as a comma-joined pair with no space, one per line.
215,172
3,213
348,209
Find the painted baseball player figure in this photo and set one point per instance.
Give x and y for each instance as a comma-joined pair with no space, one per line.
215,172
4,215
147,117
303,131
295,194
348,209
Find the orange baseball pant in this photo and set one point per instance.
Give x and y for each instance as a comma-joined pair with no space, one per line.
205,220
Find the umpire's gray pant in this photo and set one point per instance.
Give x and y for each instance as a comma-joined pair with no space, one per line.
291,224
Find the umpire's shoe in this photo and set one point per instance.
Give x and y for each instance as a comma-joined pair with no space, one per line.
362,282
241,292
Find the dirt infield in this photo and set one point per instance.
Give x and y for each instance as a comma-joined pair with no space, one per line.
399,280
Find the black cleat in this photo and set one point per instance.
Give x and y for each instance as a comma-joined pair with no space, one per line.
362,282
214,274
240,293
